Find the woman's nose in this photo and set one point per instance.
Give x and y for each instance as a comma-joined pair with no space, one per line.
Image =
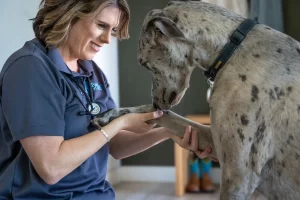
105,37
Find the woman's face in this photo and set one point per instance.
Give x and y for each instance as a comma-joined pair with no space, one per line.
88,35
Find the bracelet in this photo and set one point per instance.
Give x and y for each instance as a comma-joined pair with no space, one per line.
105,134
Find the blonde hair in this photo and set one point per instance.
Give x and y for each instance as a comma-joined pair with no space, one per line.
55,18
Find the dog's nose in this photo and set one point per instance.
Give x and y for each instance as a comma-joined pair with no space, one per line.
156,106
172,97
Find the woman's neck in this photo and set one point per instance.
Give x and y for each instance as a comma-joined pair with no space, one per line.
70,61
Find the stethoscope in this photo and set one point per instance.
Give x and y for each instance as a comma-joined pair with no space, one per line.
93,108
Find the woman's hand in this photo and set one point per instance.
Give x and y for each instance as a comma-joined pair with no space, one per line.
137,122
190,142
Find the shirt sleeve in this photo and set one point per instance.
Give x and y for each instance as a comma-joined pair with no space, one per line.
32,101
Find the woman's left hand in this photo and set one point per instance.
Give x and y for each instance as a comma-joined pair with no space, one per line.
190,142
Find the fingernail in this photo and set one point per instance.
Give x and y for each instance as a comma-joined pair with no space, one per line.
159,113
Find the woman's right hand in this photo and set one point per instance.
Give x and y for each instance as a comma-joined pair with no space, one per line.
137,122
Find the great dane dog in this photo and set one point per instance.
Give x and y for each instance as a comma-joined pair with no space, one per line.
255,99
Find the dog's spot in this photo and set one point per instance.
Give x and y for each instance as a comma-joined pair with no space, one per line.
254,149
254,93
172,78
256,55
287,123
246,164
281,150
288,71
180,67
279,50
176,19
279,172
272,95
244,120
155,71
289,89
259,134
224,157
243,77
298,50
297,156
283,164
250,139
200,32
257,114
241,134
124,112
291,138
207,29
298,108
236,114
253,163
279,92
185,55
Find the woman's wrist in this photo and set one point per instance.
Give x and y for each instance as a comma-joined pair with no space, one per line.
111,129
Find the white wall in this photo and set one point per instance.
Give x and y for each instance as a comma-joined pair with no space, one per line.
15,29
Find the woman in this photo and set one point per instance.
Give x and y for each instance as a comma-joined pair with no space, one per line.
50,90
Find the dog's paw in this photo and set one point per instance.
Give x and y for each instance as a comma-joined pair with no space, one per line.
106,117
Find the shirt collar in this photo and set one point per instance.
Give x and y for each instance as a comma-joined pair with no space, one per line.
86,67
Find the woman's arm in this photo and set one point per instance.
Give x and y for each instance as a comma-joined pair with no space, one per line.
127,143
53,157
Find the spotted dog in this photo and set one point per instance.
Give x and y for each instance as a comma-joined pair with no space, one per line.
254,102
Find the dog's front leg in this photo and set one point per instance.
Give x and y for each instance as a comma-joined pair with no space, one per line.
106,117
177,124
169,120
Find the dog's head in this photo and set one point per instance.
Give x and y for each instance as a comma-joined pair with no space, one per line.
177,39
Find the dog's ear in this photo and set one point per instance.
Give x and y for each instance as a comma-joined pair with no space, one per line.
167,27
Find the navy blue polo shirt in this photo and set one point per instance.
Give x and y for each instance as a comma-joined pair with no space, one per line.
37,96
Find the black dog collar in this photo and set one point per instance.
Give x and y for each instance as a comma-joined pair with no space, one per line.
235,40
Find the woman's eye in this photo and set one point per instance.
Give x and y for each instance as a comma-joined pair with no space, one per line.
102,26
114,30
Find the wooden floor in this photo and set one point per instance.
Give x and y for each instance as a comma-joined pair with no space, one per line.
158,191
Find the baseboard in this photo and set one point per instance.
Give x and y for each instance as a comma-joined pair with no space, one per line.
156,174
